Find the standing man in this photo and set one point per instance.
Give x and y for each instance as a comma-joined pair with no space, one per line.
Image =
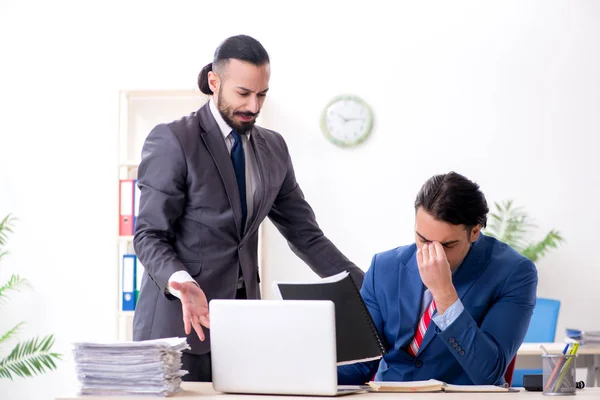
453,306
207,181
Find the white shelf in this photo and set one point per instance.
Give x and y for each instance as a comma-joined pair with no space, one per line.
126,238
130,164
126,314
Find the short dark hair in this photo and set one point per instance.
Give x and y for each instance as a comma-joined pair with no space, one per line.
454,199
240,47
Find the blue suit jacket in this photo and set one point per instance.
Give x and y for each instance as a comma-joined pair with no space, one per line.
497,287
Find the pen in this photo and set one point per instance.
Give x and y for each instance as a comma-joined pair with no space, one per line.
565,369
556,368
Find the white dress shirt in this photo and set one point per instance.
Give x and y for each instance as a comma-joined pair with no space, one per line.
448,317
252,182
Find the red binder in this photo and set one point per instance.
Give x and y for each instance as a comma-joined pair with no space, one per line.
126,192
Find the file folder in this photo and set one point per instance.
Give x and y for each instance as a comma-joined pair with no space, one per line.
136,203
128,282
139,273
357,338
126,194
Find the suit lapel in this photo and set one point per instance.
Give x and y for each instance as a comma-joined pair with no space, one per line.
409,301
213,139
471,268
261,155
416,299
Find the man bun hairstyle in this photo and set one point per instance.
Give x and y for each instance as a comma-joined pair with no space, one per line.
203,79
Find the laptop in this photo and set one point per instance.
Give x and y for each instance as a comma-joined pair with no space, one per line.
275,347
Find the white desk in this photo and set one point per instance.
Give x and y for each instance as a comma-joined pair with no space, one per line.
529,357
204,391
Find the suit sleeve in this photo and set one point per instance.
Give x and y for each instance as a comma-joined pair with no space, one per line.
161,179
359,373
295,219
484,352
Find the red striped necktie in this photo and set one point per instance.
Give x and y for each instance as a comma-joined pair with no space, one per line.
413,349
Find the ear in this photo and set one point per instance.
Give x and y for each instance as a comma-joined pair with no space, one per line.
475,233
213,81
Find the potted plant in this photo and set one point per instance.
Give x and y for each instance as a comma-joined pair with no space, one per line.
512,226
33,356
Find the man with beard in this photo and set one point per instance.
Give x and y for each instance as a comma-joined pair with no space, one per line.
207,181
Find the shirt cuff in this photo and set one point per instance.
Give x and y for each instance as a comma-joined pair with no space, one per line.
449,316
179,277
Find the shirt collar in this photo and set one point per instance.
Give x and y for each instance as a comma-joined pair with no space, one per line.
223,126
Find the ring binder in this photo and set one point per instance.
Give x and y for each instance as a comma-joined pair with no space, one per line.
369,318
357,338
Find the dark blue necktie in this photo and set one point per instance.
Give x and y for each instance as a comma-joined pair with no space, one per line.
239,166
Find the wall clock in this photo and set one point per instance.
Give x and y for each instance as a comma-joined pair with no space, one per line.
347,120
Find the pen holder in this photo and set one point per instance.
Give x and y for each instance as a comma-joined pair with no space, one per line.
559,374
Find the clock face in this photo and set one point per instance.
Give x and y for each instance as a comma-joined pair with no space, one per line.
347,120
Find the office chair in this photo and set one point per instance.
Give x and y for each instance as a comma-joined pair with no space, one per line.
542,329
508,375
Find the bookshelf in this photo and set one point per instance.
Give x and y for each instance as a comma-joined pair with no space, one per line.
139,112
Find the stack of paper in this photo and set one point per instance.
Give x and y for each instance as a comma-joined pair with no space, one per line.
583,337
150,367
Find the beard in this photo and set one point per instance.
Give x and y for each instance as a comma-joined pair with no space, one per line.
227,113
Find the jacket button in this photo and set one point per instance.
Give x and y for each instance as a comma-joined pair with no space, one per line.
455,345
418,363
462,353
458,348
451,340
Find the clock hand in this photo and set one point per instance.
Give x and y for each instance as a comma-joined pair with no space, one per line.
352,119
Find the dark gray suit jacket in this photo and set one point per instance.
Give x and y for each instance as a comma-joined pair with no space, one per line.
190,214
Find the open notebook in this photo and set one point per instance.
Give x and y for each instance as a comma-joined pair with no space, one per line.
433,385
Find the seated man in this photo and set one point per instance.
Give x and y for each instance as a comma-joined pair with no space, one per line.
454,306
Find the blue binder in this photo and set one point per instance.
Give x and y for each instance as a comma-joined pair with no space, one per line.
128,282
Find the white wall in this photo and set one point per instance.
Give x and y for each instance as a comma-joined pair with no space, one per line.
504,92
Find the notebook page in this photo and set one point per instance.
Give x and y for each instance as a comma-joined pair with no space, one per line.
474,388
410,386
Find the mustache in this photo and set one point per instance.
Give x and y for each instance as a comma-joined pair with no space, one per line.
246,114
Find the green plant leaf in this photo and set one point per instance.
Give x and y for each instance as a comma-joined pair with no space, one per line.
538,250
512,226
29,358
15,282
509,224
6,226
13,332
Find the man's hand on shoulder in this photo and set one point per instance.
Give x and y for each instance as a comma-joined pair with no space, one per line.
194,306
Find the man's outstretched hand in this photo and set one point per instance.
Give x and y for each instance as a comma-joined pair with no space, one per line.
194,306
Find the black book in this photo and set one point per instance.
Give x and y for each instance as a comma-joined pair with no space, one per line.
357,338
